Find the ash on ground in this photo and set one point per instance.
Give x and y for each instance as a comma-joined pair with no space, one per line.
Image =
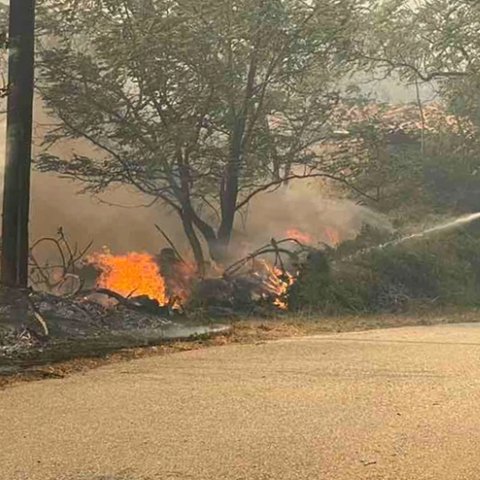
38,328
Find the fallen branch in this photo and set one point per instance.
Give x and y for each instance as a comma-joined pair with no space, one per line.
272,247
66,268
172,245
124,301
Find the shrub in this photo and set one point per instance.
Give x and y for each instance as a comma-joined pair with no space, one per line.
443,269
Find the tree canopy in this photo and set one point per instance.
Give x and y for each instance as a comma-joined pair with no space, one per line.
200,105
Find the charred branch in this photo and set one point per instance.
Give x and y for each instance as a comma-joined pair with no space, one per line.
140,304
170,242
53,276
275,247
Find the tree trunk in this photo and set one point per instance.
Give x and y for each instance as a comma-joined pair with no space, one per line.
229,190
16,194
192,237
230,184
228,208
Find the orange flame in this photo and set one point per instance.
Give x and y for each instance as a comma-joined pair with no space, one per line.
131,274
138,274
181,284
301,237
277,282
333,236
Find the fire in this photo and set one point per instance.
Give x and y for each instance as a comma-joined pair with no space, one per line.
141,274
301,237
333,236
131,274
277,282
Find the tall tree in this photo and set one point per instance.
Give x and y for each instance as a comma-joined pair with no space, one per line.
16,195
432,40
435,42
201,105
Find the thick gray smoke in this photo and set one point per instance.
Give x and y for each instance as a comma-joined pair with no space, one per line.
309,207
56,202
304,206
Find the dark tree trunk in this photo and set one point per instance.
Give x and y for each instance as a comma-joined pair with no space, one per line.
229,191
230,184
229,195
16,195
192,237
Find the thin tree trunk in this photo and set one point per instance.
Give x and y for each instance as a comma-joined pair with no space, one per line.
239,140
16,195
192,237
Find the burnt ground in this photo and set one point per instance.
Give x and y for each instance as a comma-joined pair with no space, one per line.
39,329
66,354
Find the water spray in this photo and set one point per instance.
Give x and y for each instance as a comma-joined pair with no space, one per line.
452,224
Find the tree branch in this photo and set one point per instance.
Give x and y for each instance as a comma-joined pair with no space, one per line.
426,77
277,182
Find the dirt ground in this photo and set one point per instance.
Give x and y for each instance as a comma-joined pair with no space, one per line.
250,331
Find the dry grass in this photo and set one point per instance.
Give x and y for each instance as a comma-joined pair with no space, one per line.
250,331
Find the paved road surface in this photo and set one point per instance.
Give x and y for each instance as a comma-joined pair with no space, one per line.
397,404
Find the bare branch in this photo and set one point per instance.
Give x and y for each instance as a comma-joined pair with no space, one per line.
276,183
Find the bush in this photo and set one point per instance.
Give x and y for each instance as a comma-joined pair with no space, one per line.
443,269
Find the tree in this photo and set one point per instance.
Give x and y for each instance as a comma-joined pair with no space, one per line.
436,42
428,40
201,105
16,195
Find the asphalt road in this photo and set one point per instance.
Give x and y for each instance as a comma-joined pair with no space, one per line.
393,404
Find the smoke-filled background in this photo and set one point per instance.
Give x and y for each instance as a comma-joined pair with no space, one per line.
118,220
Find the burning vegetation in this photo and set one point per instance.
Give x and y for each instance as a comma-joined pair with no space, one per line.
261,278
302,237
169,281
288,274
138,294
132,274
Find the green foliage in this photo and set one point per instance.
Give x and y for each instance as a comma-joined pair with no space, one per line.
315,275
368,237
442,269
177,97
424,40
409,183
432,40
452,178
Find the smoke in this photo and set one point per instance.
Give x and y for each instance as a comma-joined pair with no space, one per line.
55,202
309,206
